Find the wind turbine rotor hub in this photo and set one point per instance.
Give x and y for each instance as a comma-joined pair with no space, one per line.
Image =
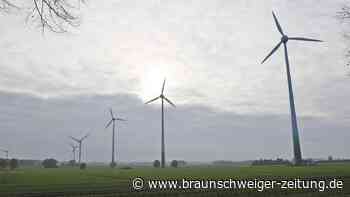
284,39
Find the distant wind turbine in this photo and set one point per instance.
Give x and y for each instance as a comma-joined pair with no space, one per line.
162,97
79,141
112,121
284,40
74,148
5,151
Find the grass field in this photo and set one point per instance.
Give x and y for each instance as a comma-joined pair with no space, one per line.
101,181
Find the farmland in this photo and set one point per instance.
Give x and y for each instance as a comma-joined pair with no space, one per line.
103,181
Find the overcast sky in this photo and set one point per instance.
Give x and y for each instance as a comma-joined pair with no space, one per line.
229,106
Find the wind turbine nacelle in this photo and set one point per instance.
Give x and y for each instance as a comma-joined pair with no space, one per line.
284,39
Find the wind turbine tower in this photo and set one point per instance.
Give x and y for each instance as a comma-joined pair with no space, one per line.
162,98
74,148
79,141
295,131
113,122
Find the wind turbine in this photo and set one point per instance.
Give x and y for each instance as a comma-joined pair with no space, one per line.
5,151
295,132
162,97
74,148
79,141
112,121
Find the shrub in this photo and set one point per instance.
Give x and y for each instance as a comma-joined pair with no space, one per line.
71,163
13,164
174,163
156,163
112,164
126,168
82,166
50,163
3,163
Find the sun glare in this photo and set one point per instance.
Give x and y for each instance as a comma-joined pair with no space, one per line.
151,83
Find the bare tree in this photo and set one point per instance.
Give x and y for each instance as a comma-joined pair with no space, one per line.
5,5
55,15
344,16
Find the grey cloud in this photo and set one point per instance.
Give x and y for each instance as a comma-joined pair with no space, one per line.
39,128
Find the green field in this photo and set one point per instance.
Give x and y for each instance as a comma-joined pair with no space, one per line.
103,181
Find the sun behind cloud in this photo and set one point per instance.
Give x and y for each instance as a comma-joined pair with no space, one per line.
151,82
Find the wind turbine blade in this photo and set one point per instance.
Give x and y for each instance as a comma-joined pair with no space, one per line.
163,86
277,23
73,138
73,147
305,39
83,138
171,103
110,110
121,119
109,123
273,50
152,100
